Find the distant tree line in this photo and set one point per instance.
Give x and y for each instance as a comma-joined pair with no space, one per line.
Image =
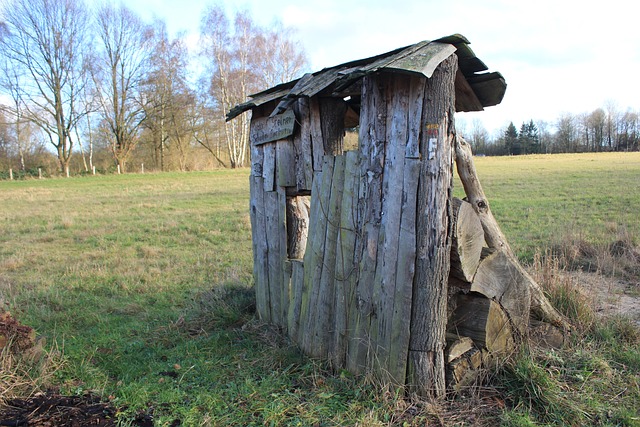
82,88
604,129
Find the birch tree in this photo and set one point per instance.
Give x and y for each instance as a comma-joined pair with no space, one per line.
170,102
242,58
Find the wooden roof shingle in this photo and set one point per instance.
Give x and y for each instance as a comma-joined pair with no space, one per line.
475,87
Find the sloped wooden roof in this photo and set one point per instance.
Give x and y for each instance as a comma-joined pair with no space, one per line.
475,87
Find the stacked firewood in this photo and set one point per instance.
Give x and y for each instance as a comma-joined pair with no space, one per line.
494,304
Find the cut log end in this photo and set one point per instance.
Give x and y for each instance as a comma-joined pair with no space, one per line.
485,322
467,240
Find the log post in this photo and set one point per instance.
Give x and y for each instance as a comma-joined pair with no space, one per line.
429,313
297,225
541,309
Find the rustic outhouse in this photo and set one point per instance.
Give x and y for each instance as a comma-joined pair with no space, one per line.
352,247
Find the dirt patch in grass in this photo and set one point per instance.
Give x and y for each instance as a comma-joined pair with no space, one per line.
606,274
54,410
611,296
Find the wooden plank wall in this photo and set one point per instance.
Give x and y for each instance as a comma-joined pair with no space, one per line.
390,175
350,299
355,295
277,169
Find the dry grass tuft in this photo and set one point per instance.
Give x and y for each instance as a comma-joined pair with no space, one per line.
29,372
620,257
564,293
227,305
25,366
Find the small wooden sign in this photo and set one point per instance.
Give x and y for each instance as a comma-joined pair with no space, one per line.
267,129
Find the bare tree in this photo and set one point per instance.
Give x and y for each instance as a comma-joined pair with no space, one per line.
479,136
118,71
629,131
170,103
230,77
44,42
10,81
567,133
207,132
611,124
280,60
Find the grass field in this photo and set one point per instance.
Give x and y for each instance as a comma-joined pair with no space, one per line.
141,285
540,199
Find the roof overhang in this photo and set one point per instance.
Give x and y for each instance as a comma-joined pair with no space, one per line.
475,87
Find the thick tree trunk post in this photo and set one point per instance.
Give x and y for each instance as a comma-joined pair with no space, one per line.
429,313
297,225
541,309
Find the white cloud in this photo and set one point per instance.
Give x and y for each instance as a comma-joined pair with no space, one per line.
556,55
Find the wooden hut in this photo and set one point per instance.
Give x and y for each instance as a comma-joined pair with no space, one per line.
353,249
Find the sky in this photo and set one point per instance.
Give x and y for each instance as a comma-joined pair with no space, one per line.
557,56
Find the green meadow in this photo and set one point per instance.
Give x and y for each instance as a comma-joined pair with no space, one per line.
540,200
141,284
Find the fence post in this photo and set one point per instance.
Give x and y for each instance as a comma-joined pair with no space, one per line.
93,169
11,174
119,170
39,173
142,167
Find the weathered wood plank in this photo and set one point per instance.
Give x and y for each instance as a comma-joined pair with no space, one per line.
295,300
332,111
429,315
269,166
267,129
282,257
384,284
260,250
466,99
257,151
314,256
315,127
402,299
274,228
257,159
285,163
416,101
310,261
302,146
325,315
346,267
372,136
